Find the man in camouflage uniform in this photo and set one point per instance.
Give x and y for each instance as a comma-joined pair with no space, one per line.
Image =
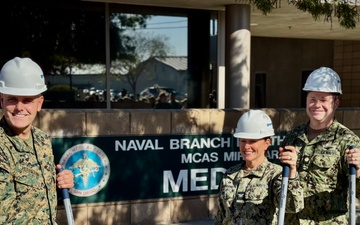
249,192
27,171
322,144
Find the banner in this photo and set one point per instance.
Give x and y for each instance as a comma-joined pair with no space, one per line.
142,167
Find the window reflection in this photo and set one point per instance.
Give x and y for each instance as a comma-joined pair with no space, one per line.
148,53
157,63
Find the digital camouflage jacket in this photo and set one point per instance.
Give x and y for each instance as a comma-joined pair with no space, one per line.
253,198
323,173
27,179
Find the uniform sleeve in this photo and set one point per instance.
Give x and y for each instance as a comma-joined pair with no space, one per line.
8,212
295,195
226,192
220,215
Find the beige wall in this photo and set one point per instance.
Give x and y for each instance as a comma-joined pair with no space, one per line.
283,60
347,64
75,123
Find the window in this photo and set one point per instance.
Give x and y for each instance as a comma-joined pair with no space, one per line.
148,47
260,90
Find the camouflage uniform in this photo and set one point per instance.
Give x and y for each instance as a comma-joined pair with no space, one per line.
27,179
252,198
323,172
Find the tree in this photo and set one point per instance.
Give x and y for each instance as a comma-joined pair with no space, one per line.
145,47
122,46
346,11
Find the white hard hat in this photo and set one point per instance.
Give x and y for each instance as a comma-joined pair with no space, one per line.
22,77
323,79
254,124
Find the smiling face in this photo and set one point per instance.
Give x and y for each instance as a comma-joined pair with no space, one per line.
20,112
320,107
253,150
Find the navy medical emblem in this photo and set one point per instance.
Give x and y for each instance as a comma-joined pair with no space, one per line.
90,166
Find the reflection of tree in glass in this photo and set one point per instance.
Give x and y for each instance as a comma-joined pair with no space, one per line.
145,47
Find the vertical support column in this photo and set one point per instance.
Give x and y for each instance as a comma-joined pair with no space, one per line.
237,56
107,52
221,60
198,58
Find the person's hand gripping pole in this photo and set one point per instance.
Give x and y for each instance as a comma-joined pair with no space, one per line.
288,158
67,203
283,194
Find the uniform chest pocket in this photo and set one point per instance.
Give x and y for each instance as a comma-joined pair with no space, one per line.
326,159
27,180
256,192
227,192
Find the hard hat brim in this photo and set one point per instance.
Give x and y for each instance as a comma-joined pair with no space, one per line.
251,136
22,91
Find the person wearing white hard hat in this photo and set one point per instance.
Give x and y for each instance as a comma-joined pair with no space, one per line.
249,193
322,145
28,179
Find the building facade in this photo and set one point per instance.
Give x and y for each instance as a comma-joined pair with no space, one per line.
252,61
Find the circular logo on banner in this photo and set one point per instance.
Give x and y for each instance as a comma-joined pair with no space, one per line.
90,167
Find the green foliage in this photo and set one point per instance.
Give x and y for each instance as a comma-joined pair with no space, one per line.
347,14
265,5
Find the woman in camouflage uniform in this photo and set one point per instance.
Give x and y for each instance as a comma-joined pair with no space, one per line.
249,192
322,144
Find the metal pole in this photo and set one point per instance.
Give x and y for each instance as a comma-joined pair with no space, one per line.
67,204
352,192
283,194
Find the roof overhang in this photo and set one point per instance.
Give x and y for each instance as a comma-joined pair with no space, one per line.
285,21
